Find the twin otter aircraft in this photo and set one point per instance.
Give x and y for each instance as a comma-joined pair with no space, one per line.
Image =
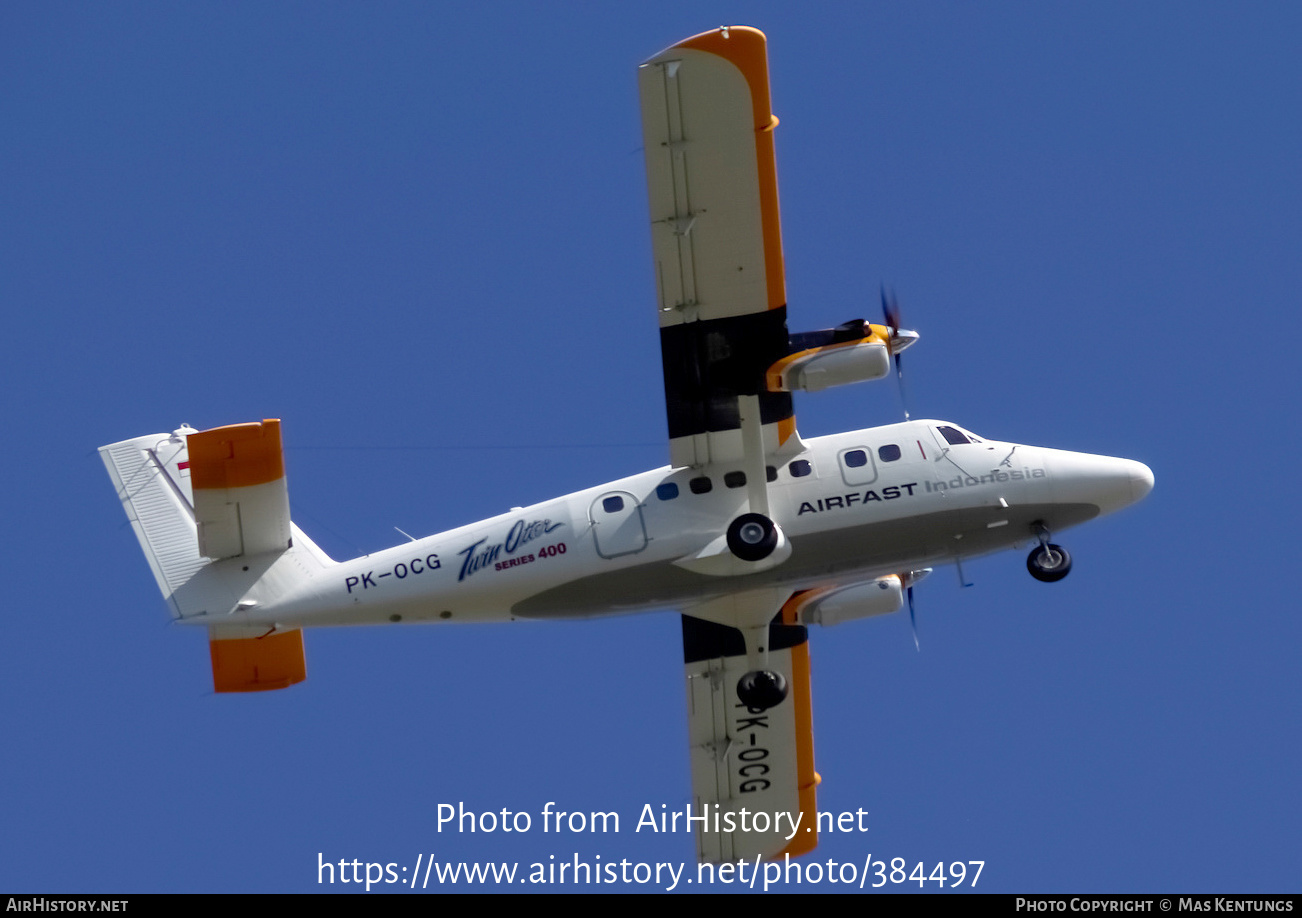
751,532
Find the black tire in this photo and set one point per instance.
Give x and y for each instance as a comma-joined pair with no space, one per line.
762,689
752,537
1049,563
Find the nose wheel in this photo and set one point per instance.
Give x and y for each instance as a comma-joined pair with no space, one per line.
1047,562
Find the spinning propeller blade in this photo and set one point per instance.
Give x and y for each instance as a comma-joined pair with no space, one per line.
891,314
913,622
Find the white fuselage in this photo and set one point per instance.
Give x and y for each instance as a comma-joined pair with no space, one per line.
854,506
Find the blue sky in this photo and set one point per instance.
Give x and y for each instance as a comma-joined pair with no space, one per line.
419,237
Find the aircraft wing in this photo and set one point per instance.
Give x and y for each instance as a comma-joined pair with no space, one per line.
752,772
721,294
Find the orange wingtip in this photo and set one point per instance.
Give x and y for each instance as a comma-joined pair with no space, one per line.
258,664
747,50
236,456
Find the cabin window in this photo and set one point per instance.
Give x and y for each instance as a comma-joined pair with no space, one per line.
734,480
667,491
953,436
857,467
701,485
800,468
888,453
770,473
613,504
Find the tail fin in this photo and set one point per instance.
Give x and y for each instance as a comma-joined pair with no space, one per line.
211,512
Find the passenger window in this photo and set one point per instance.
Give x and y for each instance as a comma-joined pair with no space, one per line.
888,453
953,435
857,467
667,491
613,504
734,480
771,473
701,485
800,468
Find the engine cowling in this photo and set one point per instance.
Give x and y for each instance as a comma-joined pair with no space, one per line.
854,351
831,365
834,605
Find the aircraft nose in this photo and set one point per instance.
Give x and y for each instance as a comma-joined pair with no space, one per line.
1103,481
1141,480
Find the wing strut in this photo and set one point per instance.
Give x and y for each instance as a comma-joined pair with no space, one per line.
752,444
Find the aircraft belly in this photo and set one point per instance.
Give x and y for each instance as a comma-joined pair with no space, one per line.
830,556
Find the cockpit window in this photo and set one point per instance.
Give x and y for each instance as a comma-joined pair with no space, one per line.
953,435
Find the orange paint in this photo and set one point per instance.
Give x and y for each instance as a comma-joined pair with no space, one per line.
236,456
258,664
786,427
807,779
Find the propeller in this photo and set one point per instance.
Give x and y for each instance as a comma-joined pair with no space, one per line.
913,622
907,580
891,314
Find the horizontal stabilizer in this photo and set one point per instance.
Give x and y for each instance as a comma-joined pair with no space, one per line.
241,502
257,664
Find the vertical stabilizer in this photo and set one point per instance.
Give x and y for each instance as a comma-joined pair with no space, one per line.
152,480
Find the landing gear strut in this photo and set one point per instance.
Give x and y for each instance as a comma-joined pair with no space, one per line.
1047,562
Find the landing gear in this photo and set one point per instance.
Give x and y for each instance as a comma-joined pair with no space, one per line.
1047,562
752,537
762,689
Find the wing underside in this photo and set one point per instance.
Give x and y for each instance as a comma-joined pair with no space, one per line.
716,239
752,771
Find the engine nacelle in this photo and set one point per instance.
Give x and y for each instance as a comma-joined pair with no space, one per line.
831,365
854,351
859,600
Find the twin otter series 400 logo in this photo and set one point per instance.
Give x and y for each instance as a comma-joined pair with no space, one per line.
476,558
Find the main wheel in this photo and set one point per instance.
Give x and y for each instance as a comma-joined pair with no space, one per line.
762,689
752,537
1049,563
